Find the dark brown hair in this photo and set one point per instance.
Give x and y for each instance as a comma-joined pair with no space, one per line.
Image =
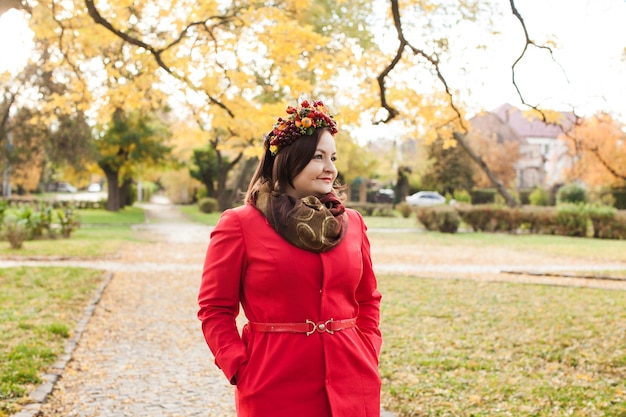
280,170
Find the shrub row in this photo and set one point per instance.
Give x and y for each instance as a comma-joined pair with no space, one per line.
75,204
36,221
372,209
566,220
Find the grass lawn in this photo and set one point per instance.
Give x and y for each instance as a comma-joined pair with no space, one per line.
466,348
39,308
194,214
451,347
582,248
102,233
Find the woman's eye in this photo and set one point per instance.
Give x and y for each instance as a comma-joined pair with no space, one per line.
318,157
333,158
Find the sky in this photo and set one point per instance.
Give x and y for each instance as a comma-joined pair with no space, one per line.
590,37
590,48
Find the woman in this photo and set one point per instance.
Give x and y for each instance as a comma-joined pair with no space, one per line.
299,264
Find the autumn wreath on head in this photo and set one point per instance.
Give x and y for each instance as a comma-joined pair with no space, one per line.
300,121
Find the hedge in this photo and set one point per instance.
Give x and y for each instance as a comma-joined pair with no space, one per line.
578,220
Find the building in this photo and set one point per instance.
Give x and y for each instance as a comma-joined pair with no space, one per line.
543,153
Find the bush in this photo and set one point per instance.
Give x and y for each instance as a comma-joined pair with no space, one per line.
16,232
442,218
607,222
69,221
405,209
479,218
462,196
571,193
572,220
427,217
539,197
541,220
620,198
483,196
207,205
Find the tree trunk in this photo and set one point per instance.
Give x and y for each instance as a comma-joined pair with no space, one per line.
241,184
510,201
402,184
125,197
113,199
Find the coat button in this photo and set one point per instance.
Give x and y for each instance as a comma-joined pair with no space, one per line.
321,326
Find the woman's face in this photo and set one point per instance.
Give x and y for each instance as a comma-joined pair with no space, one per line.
318,176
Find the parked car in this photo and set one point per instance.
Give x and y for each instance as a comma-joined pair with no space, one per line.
94,187
385,195
425,198
64,187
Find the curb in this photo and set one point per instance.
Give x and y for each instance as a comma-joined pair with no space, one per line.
38,397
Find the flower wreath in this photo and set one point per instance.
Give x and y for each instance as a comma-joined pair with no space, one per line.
301,121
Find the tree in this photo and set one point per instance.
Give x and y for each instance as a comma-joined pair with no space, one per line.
131,141
451,169
232,63
205,168
354,162
212,168
598,148
452,128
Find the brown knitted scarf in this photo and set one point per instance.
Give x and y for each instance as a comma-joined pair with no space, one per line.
310,223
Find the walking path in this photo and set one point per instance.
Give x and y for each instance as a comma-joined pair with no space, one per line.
142,352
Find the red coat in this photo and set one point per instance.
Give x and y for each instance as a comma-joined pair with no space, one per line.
291,374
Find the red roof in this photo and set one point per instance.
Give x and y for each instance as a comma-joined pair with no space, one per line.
527,127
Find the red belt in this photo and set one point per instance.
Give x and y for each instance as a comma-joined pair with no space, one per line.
309,327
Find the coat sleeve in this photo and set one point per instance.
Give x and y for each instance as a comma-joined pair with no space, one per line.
219,297
368,296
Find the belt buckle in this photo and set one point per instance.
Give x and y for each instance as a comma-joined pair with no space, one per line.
320,327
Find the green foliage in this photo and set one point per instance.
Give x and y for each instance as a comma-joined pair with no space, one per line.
69,221
572,220
38,221
208,205
490,218
539,197
572,193
483,196
442,218
607,222
452,168
132,140
405,209
566,220
539,219
620,198
205,169
15,231
462,196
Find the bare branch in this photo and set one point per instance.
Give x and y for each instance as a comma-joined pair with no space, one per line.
433,60
391,111
527,44
156,53
606,164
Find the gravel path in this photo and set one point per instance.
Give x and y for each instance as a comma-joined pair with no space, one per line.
142,353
